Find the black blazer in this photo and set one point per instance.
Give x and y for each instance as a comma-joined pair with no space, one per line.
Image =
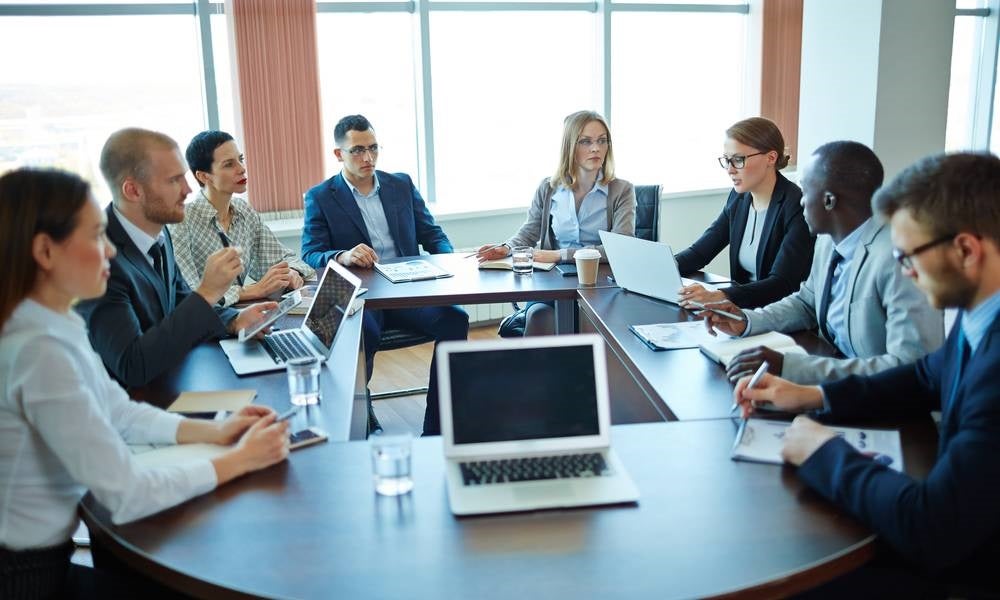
139,328
949,523
333,221
783,257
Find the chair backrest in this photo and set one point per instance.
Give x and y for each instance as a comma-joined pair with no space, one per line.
647,212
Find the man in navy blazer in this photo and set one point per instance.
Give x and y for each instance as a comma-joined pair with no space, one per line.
149,319
945,224
361,216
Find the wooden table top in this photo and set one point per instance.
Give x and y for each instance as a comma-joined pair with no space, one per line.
313,528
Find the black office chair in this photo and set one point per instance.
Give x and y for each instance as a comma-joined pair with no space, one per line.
647,212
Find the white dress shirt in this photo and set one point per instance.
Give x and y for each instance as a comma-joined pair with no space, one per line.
64,424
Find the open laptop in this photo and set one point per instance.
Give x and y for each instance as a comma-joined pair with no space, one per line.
334,297
644,267
526,425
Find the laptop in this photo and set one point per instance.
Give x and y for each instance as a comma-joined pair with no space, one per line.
334,298
644,267
525,424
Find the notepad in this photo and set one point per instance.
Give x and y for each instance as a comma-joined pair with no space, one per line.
410,270
761,440
507,264
722,349
165,456
202,402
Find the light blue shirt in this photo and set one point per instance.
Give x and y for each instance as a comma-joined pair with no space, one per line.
836,316
142,240
578,229
374,217
977,321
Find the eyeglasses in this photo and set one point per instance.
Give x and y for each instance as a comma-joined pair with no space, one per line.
587,142
905,259
360,150
738,161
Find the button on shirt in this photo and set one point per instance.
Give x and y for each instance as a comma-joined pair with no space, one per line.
836,317
578,229
374,216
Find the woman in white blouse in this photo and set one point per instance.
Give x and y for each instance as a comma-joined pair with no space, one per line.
569,208
64,422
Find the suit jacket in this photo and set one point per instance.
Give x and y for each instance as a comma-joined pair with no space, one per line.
783,256
537,229
139,327
888,319
333,221
949,521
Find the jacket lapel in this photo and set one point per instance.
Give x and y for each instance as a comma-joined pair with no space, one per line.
950,407
128,252
344,198
389,198
853,269
773,210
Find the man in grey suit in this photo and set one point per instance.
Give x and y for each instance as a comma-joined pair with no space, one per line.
149,319
855,293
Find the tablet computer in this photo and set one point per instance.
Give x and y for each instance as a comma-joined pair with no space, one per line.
288,303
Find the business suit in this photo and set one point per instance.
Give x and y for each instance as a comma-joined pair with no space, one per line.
948,523
784,254
139,327
888,320
334,224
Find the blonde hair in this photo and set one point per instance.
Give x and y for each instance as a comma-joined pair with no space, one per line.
762,134
572,127
126,154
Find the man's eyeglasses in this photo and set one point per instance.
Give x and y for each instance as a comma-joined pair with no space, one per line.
738,161
905,259
360,150
587,142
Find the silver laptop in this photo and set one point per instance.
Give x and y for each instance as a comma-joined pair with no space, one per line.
526,425
332,303
644,267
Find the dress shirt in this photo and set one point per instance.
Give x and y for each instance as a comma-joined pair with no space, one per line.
751,241
142,240
197,237
374,215
575,229
63,427
976,322
836,313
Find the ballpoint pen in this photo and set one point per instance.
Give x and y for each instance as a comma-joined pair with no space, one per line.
724,313
225,244
486,249
753,382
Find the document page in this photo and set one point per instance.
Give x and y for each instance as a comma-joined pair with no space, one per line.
760,440
411,270
671,336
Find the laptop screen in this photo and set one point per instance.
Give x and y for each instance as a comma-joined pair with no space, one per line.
523,394
330,305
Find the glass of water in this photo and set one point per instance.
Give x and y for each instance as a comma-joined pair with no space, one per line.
391,464
303,380
522,259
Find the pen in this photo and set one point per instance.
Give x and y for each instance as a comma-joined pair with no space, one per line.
487,249
225,244
288,414
724,313
753,382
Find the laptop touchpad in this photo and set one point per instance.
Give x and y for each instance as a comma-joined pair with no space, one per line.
561,489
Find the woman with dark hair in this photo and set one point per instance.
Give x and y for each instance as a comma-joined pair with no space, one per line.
569,208
64,422
770,248
216,213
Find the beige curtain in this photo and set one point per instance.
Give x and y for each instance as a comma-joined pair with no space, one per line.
275,61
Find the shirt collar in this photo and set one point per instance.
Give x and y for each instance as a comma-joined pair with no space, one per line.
355,191
142,240
847,246
977,321
598,186
67,326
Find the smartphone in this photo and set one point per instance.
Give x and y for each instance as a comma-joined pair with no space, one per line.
306,437
567,270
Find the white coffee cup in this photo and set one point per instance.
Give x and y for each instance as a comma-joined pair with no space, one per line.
587,261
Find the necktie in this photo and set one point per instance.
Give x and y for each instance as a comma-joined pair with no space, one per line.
964,350
824,305
159,254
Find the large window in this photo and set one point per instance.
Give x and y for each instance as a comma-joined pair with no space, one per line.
972,99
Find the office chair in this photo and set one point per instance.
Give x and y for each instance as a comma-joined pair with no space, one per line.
647,212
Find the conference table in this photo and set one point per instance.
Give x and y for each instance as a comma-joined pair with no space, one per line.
312,527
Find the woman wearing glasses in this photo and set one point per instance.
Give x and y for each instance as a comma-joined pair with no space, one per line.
770,249
569,208
215,218
64,422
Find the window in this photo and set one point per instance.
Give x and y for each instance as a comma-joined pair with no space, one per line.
972,98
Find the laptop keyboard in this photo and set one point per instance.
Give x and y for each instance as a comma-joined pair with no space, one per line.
535,468
283,347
